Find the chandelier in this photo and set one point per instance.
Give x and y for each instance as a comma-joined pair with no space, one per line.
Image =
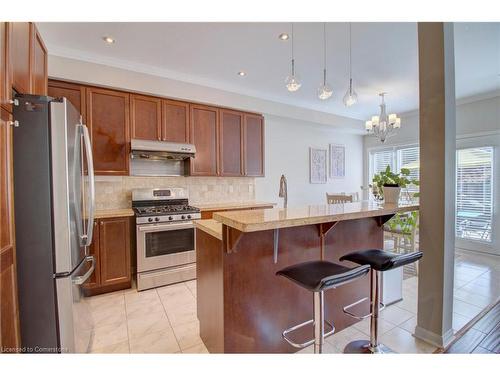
383,126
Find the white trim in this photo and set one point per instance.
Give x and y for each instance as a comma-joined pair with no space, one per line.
441,341
478,134
459,101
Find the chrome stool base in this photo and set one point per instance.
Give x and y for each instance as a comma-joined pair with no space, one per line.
363,347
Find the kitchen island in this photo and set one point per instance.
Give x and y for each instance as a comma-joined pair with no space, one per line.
242,306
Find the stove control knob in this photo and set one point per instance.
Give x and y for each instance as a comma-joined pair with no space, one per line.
157,219
189,216
183,217
170,218
150,219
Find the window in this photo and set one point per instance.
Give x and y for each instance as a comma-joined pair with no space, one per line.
380,160
396,158
474,197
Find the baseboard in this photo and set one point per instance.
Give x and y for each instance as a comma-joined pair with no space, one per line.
441,341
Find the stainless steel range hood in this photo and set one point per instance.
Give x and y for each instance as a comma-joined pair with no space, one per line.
158,150
158,158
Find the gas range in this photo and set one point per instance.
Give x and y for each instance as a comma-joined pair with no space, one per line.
162,205
165,236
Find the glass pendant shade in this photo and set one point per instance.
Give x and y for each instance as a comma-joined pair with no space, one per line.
350,97
292,82
324,91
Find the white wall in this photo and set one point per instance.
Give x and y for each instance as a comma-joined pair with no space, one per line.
290,131
287,152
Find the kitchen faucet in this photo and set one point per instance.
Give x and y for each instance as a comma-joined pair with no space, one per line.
283,190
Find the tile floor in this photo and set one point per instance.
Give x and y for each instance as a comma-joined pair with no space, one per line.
163,320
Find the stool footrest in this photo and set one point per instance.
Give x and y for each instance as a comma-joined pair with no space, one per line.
307,343
346,309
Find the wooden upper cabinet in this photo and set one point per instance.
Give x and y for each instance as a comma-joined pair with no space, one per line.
9,316
204,135
114,250
5,85
231,143
108,121
73,92
39,73
145,114
253,145
175,121
19,54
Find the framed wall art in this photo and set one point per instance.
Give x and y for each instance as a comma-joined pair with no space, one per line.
317,165
337,161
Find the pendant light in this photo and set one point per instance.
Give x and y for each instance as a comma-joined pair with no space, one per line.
350,97
292,81
324,91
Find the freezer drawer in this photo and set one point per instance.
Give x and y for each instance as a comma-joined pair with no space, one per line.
75,319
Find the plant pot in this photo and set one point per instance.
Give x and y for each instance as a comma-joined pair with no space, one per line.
391,193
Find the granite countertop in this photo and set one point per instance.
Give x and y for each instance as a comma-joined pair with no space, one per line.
120,212
273,218
232,205
210,226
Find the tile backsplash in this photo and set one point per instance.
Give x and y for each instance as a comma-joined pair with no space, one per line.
116,192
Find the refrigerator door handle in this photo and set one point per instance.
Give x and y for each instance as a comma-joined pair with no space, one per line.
91,201
79,280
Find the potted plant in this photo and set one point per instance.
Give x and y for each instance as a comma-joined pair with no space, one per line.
388,185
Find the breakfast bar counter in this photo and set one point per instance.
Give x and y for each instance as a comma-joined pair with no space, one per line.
242,306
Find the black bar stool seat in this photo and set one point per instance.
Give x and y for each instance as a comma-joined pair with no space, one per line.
321,275
381,260
318,276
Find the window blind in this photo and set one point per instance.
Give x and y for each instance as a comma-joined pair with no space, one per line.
409,158
474,196
380,160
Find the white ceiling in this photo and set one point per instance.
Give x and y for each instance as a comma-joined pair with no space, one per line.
211,54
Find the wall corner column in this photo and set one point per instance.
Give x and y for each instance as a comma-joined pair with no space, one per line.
437,182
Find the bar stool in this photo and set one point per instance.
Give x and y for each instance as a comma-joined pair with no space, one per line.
318,276
379,261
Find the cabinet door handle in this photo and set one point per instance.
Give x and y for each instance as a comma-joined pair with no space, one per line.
14,123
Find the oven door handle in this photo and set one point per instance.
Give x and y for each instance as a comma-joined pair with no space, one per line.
164,227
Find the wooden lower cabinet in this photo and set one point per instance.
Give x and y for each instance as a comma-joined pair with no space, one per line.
111,247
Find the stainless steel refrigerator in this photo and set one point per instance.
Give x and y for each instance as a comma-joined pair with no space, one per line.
54,210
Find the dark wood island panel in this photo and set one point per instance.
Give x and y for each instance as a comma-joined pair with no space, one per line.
243,307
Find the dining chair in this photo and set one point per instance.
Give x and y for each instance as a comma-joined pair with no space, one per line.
338,198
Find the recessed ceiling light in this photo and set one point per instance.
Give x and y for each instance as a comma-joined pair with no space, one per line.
242,73
108,39
284,36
